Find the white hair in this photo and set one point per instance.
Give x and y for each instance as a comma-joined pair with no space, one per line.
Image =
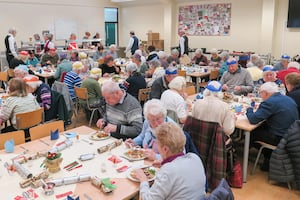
154,107
162,54
112,46
131,67
207,93
213,50
110,86
175,51
294,65
178,83
199,51
225,55
12,30
154,63
269,87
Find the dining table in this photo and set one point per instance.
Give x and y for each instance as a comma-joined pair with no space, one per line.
98,166
241,123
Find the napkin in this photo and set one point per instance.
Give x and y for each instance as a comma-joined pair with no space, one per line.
108,184
9,146
54,135
115,159
73,198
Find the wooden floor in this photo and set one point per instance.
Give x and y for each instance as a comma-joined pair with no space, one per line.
256,188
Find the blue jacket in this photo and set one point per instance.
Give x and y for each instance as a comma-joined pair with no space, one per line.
279,111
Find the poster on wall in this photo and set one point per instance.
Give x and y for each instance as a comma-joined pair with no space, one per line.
205,19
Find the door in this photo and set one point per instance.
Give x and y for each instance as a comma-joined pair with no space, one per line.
111,33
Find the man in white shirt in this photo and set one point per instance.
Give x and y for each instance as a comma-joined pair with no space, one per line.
11,45
133,43
183,44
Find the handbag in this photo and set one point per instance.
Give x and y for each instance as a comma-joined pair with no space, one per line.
236,178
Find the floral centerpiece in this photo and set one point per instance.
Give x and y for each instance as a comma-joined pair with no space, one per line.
53,161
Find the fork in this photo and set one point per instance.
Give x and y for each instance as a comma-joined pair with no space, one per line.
90,143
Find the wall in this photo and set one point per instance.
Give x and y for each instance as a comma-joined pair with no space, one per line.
33,16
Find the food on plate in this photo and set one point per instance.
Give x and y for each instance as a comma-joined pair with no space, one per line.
227,96
135,153
149,172
102,134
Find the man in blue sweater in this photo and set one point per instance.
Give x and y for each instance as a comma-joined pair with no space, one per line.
277,111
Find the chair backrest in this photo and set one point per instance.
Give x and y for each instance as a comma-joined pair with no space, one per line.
214,74
81,93
44,130
17,136
64,90
63,76
3,76
181,73
211,146
29,119
190,90
143,95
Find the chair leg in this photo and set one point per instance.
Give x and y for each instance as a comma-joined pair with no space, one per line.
289,186
91,117
257,159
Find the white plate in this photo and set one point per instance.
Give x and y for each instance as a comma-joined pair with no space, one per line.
70,135
129,170
95,137
131,158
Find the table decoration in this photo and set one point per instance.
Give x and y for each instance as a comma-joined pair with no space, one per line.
35,180
53,161
71,179
22,170
63,145
106,185
109,146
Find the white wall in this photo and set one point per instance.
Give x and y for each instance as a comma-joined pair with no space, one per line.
33,16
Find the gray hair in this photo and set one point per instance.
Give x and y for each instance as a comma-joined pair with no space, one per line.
178,83
269,87
154,107
225,55
259,63
131,67
154,63
110,86
294,65
162,54
175,51
112,46
12,30
49,36
199,51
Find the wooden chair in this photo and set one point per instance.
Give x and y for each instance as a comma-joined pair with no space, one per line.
4,78
17,136
143,95
82,98
10,73
190,90
44,130
181,73
214,74
29,119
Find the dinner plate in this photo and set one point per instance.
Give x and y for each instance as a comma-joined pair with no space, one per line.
96,137
131,169
128,156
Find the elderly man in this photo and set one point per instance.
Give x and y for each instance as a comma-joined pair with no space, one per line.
291,67
50,58
278,111
269,75
73,79
236,79
283,63
161,84
183,43
11,45
63,67
142,66
174,57
212,109
123,117
135,80
133,43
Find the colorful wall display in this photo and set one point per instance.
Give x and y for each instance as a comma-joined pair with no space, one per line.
205,19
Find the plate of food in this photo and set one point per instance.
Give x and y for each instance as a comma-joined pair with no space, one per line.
100,135
149,171
227,97
135,154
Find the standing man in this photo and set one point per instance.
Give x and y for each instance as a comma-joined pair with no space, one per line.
183,44
133,43
11,45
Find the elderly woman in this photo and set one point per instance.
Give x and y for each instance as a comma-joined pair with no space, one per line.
155,71
112,51
73,79
174,57
155,114
269,75
142,66
92,85
180,176
224,67
212,109
99,53
41,91
199,58
135,80
19,101
292,82
174,100
108,67
21,71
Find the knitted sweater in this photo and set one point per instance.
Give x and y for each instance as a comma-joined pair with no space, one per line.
94,90
240,78
127,115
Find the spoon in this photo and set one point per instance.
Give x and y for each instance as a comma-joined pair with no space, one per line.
90,143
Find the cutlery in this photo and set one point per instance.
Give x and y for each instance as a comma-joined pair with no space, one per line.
90,143
42,141
126,158
25,149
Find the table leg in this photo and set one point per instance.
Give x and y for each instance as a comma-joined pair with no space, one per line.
46,80
197,84
246,155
